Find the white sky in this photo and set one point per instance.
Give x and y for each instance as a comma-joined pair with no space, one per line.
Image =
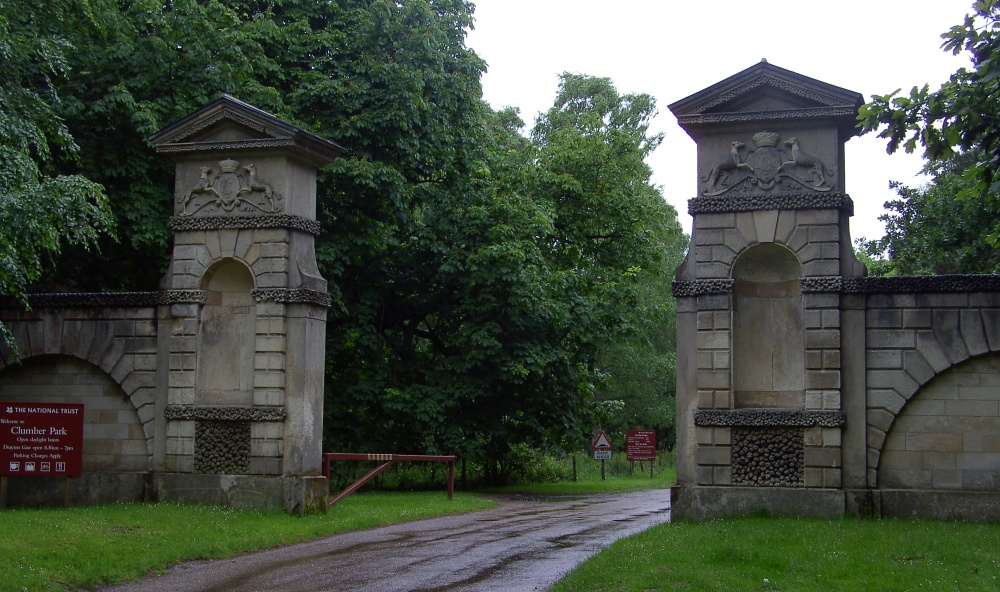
674,48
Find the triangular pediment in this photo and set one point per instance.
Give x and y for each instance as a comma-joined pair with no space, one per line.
764,97
230,124
765,92
227,126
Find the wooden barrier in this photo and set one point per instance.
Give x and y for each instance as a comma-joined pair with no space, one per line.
387,461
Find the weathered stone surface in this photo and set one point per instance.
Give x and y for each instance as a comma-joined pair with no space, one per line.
885,349
164,351
705,503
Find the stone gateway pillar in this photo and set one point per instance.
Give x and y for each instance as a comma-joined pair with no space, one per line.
764,411
242,334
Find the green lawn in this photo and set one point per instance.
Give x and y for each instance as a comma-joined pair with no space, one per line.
612,483
60,548
618,476
752,554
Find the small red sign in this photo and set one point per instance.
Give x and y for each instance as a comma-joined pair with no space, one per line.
41,439
640,445
601,442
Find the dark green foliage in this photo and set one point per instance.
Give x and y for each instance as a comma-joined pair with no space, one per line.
43,206
476,274
145,66
613,227
930,230
963,115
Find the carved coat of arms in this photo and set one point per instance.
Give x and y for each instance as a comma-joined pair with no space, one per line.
233,189
767,165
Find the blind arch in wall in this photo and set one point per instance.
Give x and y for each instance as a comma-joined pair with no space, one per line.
768,333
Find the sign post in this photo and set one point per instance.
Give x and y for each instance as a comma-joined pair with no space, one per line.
602,450
640,445
40,439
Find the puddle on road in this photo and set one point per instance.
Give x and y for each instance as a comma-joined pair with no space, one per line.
549,498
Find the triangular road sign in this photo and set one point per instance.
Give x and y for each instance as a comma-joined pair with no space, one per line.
602,442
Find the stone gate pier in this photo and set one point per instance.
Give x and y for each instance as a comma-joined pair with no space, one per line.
212,388
803,386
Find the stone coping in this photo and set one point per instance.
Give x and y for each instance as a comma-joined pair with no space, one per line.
289,296
693,288
284,221
166,297
768,418
922,284
925,284
107,299
224,413
749,202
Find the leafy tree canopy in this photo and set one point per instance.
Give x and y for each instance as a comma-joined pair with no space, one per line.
476,272
962,115
42,208
930,231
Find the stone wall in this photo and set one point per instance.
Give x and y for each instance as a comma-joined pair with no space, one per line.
933,389
101,353
113,333
948,435
114,439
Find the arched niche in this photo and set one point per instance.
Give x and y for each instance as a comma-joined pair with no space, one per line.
768,333
226,336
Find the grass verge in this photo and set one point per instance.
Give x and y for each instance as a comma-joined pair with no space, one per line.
756,554
613,483
618,476
68,548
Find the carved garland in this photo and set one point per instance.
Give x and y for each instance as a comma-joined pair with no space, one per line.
284,221
693,288
721,204
922,284
728,418
931,284
107,299
286,296
224,413
167,297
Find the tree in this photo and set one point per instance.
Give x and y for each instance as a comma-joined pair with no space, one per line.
474,272
610,221
640,369
929,231
41,209
614,229
487,335
962,115
147,65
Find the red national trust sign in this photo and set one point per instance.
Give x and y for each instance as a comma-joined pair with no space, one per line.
640,445
39,439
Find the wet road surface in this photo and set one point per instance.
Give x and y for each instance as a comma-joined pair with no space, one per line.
524,545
